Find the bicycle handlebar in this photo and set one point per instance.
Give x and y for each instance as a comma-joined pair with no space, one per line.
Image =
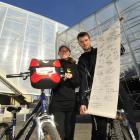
25,75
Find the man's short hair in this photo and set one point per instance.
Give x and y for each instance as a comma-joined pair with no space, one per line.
82,34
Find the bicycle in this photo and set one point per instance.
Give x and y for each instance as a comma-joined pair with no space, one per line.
40,118
3,127
119,128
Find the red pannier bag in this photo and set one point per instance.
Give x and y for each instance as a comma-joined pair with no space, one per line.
45,74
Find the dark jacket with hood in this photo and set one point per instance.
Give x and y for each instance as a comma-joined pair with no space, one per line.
86,67
63,96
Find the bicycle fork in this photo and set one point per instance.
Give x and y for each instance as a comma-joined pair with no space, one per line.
40,121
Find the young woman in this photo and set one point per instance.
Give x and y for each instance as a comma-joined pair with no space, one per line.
63,96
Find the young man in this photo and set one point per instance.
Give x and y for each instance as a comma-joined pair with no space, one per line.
86,66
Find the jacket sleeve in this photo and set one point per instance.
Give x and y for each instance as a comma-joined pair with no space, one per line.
83,82
75,80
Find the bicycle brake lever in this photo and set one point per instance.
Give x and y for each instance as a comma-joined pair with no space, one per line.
24,78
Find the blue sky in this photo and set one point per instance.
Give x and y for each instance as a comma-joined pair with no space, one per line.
68,12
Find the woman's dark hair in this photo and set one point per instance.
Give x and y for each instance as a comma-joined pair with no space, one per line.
82,34
63,46
71,60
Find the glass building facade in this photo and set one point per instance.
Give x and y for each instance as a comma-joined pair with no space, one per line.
23,36
100,21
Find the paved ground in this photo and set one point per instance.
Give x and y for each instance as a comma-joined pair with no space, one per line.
82,131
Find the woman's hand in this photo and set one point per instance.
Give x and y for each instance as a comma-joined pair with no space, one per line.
68,76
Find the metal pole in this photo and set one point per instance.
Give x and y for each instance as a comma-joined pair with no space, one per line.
56,44
127,40
98,26
3,22
23,43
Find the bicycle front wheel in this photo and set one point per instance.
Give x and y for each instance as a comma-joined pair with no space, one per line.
121,131
126,133
50,132
118,130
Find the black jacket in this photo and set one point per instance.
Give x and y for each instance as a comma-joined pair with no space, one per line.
86,64
86,67
63,96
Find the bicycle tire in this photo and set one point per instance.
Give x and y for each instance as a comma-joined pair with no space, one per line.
111,132
126,133
3,134
50,132
118,130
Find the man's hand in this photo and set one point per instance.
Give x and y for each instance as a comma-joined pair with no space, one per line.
83,109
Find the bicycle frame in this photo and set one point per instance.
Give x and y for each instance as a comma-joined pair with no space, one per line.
8,130
121,123
31,118
127,124
38,117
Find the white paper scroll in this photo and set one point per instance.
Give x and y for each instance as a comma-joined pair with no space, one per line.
104,94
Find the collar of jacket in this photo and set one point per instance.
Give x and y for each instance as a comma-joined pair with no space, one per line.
92,49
